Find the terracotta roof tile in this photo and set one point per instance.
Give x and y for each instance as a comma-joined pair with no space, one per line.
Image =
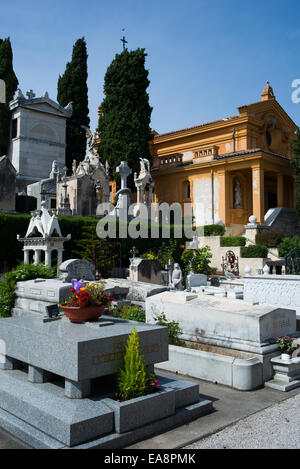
199,126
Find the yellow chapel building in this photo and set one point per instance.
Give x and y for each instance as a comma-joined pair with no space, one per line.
231,168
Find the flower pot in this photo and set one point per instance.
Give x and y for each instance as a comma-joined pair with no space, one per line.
285,356
76,314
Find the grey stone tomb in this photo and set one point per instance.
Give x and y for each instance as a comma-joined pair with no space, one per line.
145,270
52,394
195,281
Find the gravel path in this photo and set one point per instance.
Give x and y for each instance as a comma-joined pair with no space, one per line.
277,427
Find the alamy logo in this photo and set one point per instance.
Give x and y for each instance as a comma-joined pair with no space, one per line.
296,93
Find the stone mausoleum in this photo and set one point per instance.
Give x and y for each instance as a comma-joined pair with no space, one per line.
37,138
230,168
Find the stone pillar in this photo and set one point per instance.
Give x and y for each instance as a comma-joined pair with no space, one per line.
224,191
37,375
258,192
280,194
59,256
48,258
37,256
77,390
8,363
26,256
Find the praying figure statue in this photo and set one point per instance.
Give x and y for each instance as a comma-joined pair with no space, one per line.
237,194
177,278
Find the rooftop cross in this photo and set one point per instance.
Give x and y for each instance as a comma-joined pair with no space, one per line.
30,94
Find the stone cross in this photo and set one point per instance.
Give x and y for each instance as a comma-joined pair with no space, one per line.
170,268
30,94
124,172
124,41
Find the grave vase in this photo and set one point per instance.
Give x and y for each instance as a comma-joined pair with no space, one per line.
90,313
285,356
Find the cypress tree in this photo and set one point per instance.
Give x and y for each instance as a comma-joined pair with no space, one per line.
72,86
295,146
8,75
124,125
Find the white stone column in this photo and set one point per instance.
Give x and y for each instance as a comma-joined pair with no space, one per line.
26,256
37,256
59,257
48,258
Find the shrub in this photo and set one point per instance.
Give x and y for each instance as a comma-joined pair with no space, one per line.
173,328
134,380
271,239
255,250
197,260
132,313
21,273
214,230
287,244
233,241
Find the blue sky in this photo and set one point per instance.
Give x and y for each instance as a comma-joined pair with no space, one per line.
205,57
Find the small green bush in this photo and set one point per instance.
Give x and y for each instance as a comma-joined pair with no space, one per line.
134,380
287,244
228,241
21,273
173,328
214,230
255,250
197,260
132,313
271,239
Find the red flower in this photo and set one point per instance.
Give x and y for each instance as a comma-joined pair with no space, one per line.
72,290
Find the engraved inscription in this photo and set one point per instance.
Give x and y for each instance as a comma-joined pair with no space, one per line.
34,291
119,353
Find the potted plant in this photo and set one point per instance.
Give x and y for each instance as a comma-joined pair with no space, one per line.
287,346
139,399
88,301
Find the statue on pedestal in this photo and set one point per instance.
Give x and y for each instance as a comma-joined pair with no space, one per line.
177,278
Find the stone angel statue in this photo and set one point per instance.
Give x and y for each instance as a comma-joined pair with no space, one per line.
91,138
145,165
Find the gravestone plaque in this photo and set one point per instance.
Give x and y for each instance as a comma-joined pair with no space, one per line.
76,268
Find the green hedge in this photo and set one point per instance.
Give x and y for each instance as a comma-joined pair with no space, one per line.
11,252
228,241
255,250
287,244
214,230
271,239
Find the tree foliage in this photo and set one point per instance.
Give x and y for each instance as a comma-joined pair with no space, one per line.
124,125
72,87
8,75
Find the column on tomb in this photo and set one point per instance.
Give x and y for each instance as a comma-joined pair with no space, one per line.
37,256
48,258
26,256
